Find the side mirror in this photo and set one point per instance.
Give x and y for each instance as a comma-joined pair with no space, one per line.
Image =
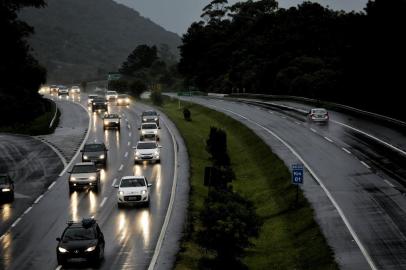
159,127
115,186
58,239
149,185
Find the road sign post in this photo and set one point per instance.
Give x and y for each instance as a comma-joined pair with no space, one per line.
297,178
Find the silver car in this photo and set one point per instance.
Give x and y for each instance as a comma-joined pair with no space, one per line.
84,174
149,151
149,131
318,115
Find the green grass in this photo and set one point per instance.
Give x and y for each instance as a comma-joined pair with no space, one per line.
290,238
40,125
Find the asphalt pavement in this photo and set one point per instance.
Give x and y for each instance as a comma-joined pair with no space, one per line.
353,183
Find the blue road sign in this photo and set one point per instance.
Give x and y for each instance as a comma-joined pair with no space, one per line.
297,174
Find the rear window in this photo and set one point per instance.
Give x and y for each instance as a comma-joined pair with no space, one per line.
146,145
93,148
83,169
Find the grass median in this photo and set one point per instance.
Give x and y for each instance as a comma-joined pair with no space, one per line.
290,238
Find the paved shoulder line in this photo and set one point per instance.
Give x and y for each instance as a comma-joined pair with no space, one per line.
170,207
61,157
313,174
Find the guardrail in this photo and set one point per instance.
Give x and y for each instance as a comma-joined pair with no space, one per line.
327,104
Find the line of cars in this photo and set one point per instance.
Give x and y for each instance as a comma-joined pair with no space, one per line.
60,90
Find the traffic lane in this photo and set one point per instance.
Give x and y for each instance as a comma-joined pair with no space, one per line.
32,165
352,185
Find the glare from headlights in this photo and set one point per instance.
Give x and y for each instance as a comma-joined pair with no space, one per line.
106,122
156,118
121,193
144,119
127,100
137,153
92,178
101,156
155,131
5,189
73,178
143,192
90,249
62,250
143,131
85,157
156,152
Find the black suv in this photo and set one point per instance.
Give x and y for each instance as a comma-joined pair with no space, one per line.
6,187
95,152
99,104
81,240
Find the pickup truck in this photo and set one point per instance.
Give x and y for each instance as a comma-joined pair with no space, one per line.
111,120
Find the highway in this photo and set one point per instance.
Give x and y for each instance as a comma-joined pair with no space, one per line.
354,183
131,234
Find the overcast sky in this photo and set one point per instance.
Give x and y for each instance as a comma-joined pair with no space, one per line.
177,15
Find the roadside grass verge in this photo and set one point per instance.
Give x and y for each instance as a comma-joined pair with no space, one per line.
290,238
40,125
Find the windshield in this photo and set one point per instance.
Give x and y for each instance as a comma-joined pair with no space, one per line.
111,93
111,116
3,180
133,182
151,113
149,126
79,234
84,169
93,148
146,145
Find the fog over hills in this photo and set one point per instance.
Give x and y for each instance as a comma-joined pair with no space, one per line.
77,40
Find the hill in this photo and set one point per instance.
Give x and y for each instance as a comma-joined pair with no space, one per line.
77,40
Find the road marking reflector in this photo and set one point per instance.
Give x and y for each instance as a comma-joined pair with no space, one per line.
129,143
38,199
312,129
51,185
126,154
103,201
328,139
389,183
346,150
366,165
28,210
15,222
121,167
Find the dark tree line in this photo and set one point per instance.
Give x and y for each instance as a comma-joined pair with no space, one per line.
21,75
312,51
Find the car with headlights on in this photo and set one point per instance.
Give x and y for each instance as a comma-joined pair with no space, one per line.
90,99
63,91
99,104
318,115
133,190
6,187
150,116
81,241
149,131
111,120
53,89
111,95
84,174
75,89
147,151
95,152
123,100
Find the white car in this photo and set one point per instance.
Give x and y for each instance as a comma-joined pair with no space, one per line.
148,150
84,174
111,95
149,131
75,89
133,190
62,90
318,115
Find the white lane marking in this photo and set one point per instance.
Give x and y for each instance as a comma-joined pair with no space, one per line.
346,150
126,154
129,126
38,199
121,167
129,134
170,206
129,143
83,142
59,267
372,137
284,117
328,139
114,182
312,129
103,202
15,222
366,165
51,185
240,116
297,122
126,120
28,210
64,162
329,195
389,183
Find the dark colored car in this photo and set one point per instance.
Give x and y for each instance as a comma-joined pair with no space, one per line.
95,152
150,116
81,241
6,187
99,104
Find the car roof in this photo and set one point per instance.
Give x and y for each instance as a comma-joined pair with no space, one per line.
133,177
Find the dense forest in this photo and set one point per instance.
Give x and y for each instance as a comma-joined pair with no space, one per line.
308,50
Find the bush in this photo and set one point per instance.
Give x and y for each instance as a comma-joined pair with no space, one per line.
216,146
156,97
187,114
137,87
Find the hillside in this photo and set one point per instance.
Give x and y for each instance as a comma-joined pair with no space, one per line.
77,40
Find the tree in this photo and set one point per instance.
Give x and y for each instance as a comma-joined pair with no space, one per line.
156,97
137,87
216,146
142,57
118,85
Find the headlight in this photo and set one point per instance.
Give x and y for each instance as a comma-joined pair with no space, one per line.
127,100
92,177
144,119
94,103
106,122
105,103
121,193
101,156
85,157
143,131
5,190
90,249
156,152
156,118
155,131
143,192
73,178
137,153
62,250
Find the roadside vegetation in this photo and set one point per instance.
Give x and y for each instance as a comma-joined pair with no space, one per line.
39,125
289,237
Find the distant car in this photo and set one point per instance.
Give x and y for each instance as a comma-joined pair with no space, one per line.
84,174
318,115
111,95
75,89
6,187
133,190
111,120
149,151
99,104
150,116
63,91
95,152
90,98
149,131
53,89
123,100
44,90
81,240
